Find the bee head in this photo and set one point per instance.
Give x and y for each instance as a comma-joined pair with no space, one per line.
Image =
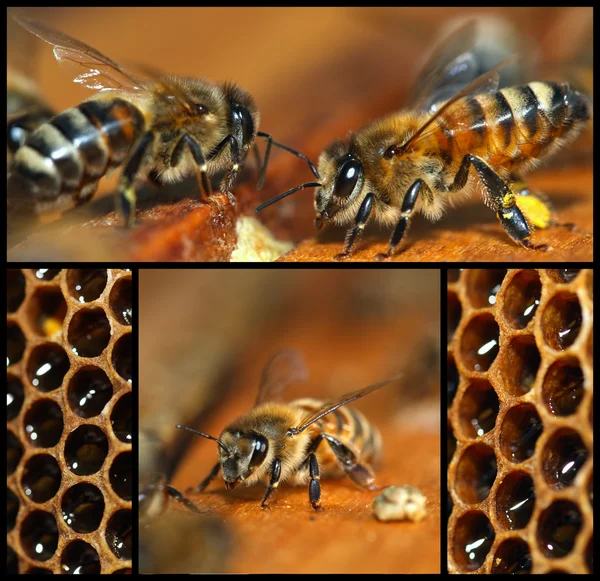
343,180
244,116
243,454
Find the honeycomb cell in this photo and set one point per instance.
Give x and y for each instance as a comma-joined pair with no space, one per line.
14,396
79,558
475,473
118,534
522,298
454,314
41,478
45,273
563,274
121,418
483,286
557,529
515,500
589,555
521,428
39,535
82,507
519,365
12,562
85,450
479,343
15,343
122,572
15,289
478,409
563,455
512,557
452,379
451,441
121,300
121,357
453,274
121,475
47,366
89,391
89,332
46,311
563,387
14,452
44,423
589,283
12,509
86,285
473,539
561,321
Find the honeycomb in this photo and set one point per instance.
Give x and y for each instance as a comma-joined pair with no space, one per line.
520,399
69,413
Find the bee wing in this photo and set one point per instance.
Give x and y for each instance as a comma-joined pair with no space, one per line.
285,367
100,71
343,400
486,83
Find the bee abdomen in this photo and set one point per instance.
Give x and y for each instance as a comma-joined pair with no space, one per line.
70,153
543,112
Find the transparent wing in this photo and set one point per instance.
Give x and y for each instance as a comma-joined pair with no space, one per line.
451,66
455,117
100,72
285,367
343,400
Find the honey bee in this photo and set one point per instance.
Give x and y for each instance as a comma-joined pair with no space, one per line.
298,441
152,124
419,159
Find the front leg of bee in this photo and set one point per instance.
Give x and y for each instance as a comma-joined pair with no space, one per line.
127,196
358,473
274,482
199,158
359,225
207,480
179,497
408,205
503,198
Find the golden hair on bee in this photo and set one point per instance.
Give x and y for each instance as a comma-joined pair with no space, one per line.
299,441
420,158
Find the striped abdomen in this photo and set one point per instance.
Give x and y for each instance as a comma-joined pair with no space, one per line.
71,152
514,125
347,425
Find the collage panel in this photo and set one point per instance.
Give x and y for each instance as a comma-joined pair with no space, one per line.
520,421
69,429
252,360
367,134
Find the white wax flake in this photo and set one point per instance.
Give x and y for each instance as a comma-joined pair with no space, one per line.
400,503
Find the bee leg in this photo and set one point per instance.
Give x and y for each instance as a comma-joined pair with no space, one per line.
274,482
260,167
360,474
408,205
359,224
199,158
536,207
502,197
179,497
314,486
127,196
207,480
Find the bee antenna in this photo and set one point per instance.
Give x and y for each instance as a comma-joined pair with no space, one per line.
204,436
288,193
270,142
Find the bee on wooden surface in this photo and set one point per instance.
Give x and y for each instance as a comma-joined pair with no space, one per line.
154,124
419,159
298,441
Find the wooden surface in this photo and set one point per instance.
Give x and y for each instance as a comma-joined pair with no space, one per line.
353,66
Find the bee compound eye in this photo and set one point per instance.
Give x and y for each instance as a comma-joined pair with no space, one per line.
242,117
260,447
347,178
